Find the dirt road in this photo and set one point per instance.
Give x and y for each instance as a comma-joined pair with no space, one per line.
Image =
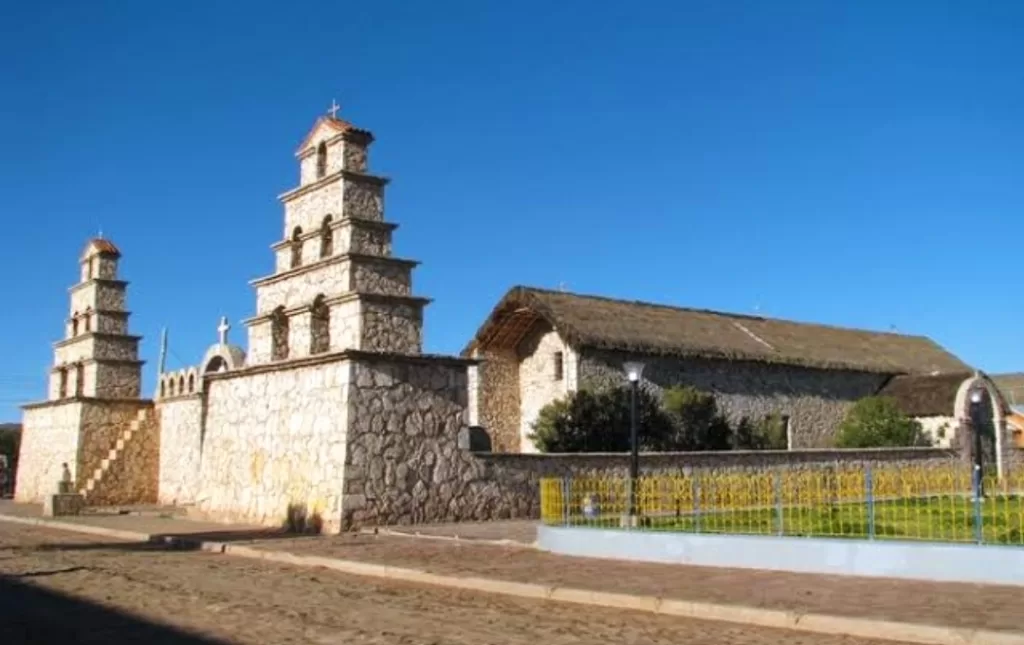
58,587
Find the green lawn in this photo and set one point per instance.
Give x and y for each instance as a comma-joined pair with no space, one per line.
940,519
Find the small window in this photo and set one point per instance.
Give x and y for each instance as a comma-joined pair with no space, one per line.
559,366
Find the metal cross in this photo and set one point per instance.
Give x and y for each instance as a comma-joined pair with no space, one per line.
222,329
334,109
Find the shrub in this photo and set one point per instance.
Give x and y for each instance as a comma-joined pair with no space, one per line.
876,422
697,423
599,421
767,434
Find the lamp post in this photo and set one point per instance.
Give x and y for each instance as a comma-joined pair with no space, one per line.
634,372
975,413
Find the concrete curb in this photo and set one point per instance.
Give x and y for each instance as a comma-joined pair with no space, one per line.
773,618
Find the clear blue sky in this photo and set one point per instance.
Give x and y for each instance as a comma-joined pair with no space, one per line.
854,163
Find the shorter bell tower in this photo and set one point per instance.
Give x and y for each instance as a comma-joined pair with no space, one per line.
97,358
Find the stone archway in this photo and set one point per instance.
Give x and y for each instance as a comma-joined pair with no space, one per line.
991,415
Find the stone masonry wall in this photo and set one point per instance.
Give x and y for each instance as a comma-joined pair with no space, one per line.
180,448
384,276
329,277
49,438
508,485
107,296
132,477
363,199
395,327
815,400
498,402
308,209
113,380
403,463
273,439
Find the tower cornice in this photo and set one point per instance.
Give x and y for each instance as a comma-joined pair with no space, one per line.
86,335
294,193
334,259
356,222
110,283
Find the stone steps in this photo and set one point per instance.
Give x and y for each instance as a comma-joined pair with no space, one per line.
115,452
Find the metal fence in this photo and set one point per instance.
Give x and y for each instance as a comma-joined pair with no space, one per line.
933,502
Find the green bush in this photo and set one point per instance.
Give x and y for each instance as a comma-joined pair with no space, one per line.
876,422
697,423
599,421
767,434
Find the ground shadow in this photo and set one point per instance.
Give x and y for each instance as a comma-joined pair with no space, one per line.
29,614
179,541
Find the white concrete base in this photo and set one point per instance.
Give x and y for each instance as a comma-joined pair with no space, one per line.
935,562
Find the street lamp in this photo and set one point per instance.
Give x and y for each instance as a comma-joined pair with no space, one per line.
634,372
976,397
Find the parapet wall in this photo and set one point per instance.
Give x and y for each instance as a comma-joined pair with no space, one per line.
181,419
182,382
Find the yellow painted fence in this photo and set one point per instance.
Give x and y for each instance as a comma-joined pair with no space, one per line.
911,502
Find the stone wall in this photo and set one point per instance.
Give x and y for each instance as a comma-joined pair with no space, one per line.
309,206
497,392
132,477
113,380
180,448
814,400
387,276
394,326
104,295
298,287
49,438
364,197
403,463
275,438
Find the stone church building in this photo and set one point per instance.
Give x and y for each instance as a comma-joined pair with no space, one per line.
333,380
335,414
539,345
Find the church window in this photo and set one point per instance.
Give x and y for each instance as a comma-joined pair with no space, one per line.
62,391
559,366
296,246
74,324
191,383
321,160
278,335
79,379
181,384
87,320
320,327
326,238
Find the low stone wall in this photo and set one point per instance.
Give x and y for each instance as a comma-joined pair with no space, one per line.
462,486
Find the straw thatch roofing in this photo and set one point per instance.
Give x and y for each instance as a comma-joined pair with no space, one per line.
645,328
1012,388
925,395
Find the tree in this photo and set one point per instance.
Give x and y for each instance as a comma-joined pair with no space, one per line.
698,425
876,422
599,421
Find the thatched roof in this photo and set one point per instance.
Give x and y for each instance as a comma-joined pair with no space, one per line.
1012,388
645,328
924,395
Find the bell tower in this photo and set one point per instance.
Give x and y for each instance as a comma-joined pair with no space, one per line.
97,358
336,286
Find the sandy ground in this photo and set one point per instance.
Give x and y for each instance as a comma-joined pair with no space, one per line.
58,587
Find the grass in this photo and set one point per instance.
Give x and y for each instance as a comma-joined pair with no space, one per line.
937,519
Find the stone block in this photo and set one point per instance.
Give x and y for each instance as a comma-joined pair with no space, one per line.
63,504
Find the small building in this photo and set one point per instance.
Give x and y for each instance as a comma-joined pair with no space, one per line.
538,345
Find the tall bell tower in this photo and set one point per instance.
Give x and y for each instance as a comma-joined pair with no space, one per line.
97,358
336,285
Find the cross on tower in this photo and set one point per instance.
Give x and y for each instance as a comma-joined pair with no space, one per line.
222,330
334,109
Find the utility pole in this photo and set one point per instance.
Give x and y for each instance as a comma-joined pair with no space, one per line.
161,362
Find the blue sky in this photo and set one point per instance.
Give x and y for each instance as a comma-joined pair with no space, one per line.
852,163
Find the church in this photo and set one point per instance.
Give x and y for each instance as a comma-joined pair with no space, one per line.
333,379
332,411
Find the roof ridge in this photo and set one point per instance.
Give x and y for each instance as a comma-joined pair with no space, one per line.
715,312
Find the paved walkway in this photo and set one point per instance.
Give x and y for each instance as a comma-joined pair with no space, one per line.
943,604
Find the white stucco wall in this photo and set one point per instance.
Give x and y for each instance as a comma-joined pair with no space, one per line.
537,383
933,427
180,420
49,438
273,439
